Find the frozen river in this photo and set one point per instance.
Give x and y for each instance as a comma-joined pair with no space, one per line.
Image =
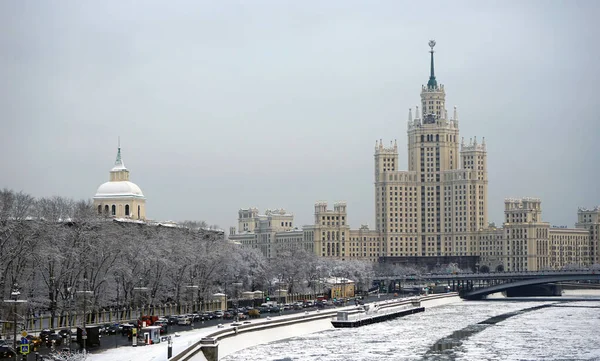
562,328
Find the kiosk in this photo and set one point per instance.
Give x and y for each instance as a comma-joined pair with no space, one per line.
151,334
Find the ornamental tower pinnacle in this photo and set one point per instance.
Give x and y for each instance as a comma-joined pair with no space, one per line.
433,96
432,83
119,172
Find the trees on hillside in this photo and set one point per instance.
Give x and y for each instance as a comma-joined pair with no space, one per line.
57,249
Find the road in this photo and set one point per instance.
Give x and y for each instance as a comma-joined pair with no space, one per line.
116,341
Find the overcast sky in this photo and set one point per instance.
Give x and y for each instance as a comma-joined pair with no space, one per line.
229,104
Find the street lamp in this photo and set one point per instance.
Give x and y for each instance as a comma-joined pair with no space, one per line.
15,300
237,300
139,290
85,292
192,288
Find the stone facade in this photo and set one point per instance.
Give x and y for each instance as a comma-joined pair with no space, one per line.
269,232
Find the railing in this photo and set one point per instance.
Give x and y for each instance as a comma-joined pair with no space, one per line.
241,328
493,275
35,324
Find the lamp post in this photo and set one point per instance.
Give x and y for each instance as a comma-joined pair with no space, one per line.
237,300
138,290
85,292
69,315
192,288
15,293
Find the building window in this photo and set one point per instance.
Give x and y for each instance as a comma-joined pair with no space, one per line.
106,209
127,210
114,210
99,209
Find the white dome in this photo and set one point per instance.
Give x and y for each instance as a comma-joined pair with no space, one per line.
119,189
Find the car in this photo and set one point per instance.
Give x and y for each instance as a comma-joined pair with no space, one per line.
206,315
183,321
219,313
64,333
163,326
7,352
54,339
242,316
111,329
126,329
34,341
45,333
254,313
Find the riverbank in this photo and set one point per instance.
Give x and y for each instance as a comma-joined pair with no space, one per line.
504,329
232,345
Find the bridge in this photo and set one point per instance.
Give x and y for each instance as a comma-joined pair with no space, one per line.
474,286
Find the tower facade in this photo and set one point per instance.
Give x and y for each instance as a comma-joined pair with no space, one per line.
437,206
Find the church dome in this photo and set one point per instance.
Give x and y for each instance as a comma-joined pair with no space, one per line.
119,189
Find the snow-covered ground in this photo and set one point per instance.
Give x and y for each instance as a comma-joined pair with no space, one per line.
157,352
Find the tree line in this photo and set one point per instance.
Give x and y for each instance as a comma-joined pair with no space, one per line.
55,249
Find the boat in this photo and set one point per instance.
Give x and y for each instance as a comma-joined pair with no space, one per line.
377,312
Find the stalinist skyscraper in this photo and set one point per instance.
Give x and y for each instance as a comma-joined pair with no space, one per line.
438,205
435,212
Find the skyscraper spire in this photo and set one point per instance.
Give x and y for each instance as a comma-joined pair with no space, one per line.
432,83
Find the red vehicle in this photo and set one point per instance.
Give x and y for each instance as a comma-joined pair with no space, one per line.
150,320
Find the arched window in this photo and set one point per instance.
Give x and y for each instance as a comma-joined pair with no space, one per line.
106,209
127,209
139,216
99,209
114,210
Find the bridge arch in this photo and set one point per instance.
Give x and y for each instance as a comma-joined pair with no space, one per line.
480,293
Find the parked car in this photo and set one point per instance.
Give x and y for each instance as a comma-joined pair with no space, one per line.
183,321
7,352
65,333
55,339
254,313
242,316
219,313
163,327
126,329
45,333
34,341
206,315
110,329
